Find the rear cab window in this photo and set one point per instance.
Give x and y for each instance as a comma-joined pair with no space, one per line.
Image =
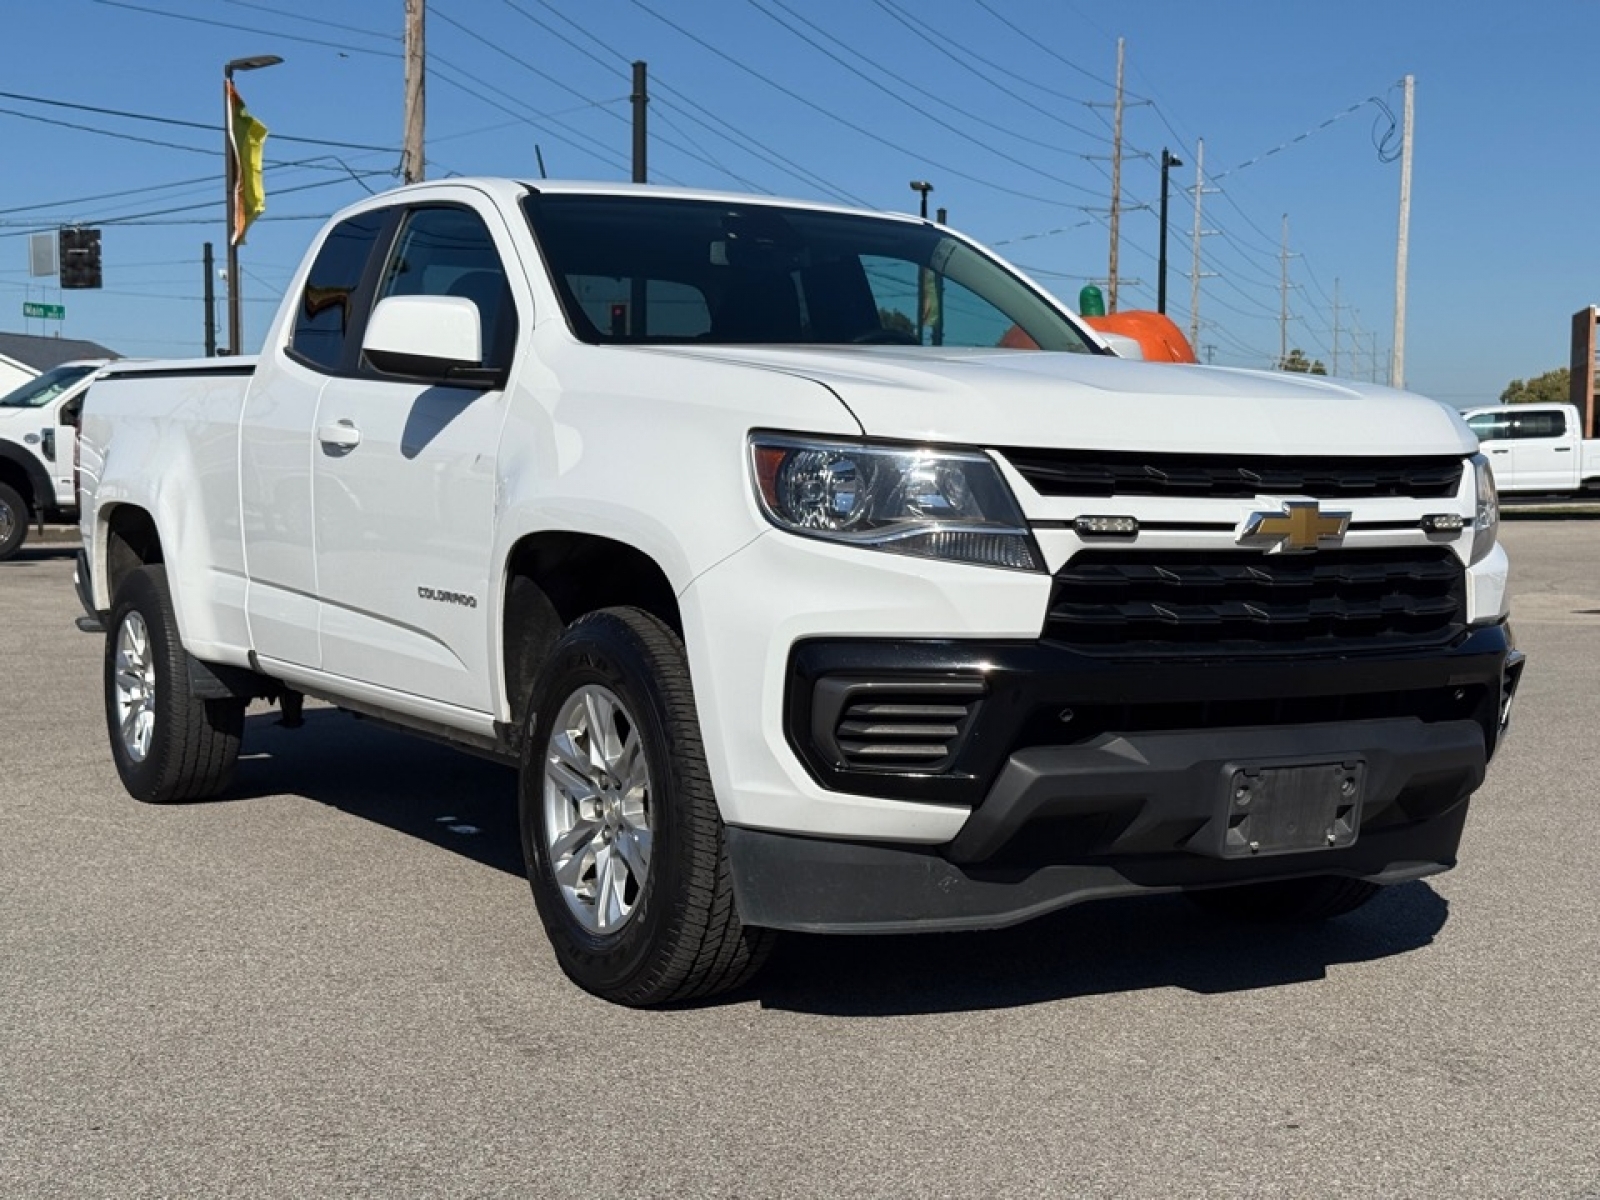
328,307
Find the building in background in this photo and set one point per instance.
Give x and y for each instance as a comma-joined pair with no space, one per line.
24,355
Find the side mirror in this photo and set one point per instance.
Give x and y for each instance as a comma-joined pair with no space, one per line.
429,337
1122,345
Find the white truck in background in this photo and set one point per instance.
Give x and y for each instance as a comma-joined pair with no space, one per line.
38,450
799,601
1536,448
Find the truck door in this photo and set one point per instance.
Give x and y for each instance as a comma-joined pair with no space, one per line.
404,482
1544,450
279,417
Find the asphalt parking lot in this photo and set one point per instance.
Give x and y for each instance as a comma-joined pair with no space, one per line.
332,983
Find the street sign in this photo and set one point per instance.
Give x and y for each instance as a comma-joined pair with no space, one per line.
42,257
50,312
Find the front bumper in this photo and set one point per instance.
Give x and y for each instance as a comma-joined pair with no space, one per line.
1140,796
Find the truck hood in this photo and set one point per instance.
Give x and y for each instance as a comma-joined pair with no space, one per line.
1092,402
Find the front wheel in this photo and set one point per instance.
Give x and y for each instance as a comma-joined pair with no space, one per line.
620,830
13,521
1317,898
167,743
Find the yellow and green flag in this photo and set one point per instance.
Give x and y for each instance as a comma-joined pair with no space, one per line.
247,137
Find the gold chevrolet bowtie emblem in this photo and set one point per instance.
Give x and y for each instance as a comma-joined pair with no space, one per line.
1300,526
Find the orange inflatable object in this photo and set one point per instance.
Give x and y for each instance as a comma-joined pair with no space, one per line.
1157,336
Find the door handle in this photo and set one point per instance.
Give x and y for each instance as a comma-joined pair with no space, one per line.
1499,452
1563,449
340,435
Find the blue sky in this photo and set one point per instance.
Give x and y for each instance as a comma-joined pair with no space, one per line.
1004,105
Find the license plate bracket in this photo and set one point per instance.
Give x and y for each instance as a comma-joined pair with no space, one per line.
1292,809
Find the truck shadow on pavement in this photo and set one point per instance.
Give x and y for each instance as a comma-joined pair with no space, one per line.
1093,949
468,806
35,553
441,796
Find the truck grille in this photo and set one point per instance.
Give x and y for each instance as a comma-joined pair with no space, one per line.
1233,602
1094,473
884,725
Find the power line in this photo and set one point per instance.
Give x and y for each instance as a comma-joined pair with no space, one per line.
521,62
589,149
322,22
833,116
154,187
275,33
733,135
177,121
1033,40
904,82
140,217
912,23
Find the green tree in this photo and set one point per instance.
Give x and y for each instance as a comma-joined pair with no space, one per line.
893,318
1299,363
1553,387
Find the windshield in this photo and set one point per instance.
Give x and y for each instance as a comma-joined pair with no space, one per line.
42,389
653,270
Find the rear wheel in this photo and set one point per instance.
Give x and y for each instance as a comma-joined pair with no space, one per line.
620,830
167,743
13,521
1317,898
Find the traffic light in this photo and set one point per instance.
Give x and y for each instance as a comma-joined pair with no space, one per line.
80,257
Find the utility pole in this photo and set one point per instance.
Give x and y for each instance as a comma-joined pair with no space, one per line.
208,291
1375,359
411,155
1336,326
1194,275
640,98
1397,364
1283,312
1116,188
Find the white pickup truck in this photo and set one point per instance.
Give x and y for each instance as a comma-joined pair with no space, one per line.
1536,447
799,603
38,444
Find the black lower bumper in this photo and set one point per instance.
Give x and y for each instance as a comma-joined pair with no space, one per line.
817,886
1344,767
1128,815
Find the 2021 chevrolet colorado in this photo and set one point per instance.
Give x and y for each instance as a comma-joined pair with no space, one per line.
799,602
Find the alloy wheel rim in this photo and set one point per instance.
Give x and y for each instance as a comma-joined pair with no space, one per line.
135,687
599,828
8,522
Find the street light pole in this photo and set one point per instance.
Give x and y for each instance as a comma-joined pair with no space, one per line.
231,177
924,187
1167,163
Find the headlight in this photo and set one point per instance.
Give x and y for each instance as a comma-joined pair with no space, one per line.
1486,514
948,504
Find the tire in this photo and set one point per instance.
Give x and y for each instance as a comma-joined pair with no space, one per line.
13,521
623,841
1316,898
168,745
